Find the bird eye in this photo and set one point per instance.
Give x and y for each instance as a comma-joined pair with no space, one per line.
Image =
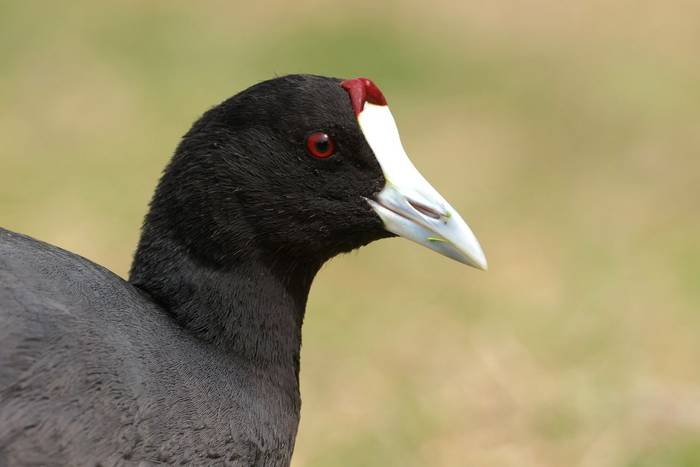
320,145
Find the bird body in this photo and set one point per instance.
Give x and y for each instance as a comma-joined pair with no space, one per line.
96,373
195,360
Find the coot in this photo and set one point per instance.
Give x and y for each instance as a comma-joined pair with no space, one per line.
195,360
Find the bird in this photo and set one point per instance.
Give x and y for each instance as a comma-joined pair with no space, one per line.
194,360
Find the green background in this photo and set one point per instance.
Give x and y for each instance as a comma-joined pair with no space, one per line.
566,133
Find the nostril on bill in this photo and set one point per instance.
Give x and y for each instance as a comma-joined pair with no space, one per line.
426,210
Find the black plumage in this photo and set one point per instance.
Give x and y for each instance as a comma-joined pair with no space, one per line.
195,359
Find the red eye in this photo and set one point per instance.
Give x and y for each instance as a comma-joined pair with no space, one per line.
320,145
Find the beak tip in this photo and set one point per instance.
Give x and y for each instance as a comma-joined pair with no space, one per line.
470,250
479,261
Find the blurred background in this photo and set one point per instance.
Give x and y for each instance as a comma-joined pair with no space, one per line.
566,133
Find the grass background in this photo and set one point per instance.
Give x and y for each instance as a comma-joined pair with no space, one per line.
567,133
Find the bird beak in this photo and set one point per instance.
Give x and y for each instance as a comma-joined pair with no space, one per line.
408,205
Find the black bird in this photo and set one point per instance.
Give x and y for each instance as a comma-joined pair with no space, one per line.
195,360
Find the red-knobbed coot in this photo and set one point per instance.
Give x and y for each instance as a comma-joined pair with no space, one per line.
195,360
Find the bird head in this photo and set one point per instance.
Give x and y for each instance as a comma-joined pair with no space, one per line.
304,167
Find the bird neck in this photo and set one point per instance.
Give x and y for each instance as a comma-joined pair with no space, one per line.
251,307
